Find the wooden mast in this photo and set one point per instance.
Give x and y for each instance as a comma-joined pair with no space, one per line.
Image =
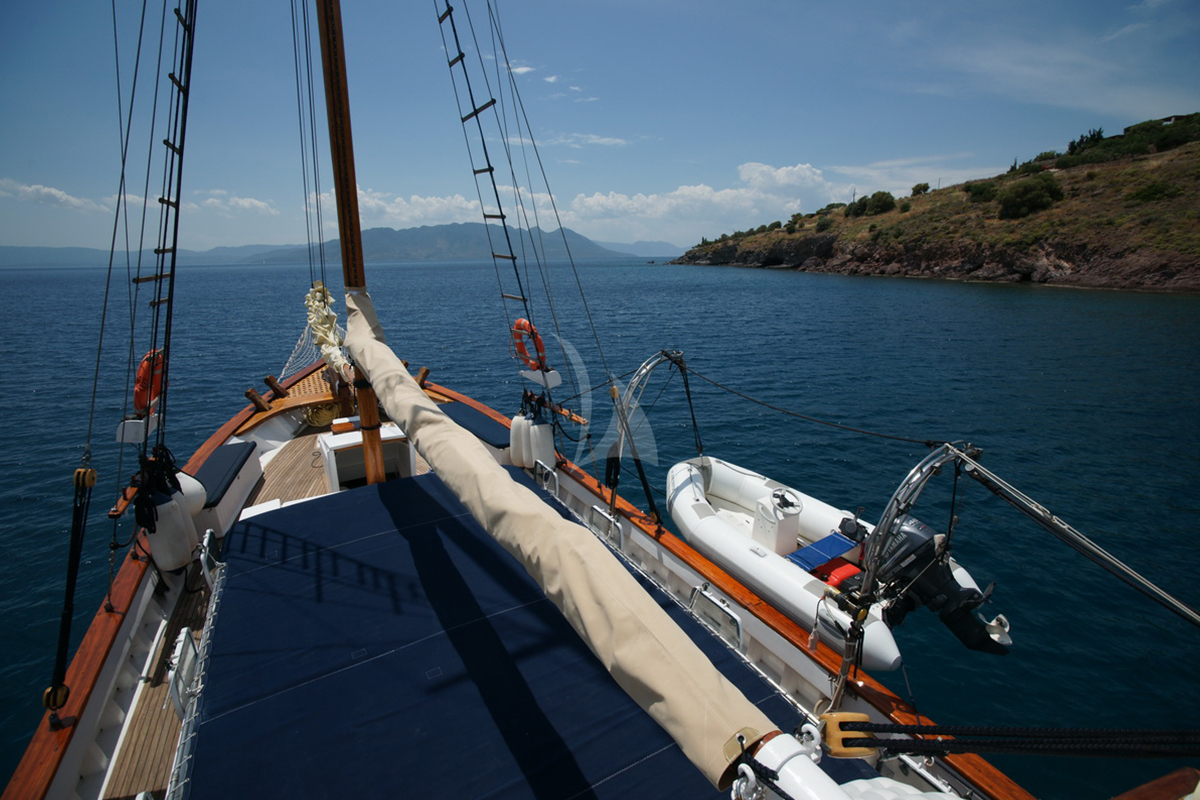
341,145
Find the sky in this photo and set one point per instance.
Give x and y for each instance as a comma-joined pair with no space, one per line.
657,120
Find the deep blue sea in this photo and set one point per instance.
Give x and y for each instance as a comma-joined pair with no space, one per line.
1089,401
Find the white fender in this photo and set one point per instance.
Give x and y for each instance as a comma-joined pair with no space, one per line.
516,440
194,491
174,540
541,444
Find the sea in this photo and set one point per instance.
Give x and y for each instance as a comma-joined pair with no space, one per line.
1088,401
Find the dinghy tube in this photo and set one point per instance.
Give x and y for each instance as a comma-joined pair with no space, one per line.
756,554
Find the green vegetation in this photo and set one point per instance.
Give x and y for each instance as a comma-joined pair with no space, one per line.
1157,190
981,191
1152,136
1137,191
878,203
1029,196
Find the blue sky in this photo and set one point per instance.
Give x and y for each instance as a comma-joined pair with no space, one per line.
656,119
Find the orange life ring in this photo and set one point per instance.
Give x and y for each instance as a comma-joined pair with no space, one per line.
522,328
148,385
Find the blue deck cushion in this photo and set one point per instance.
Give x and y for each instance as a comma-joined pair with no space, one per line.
484,427
219,470
817,553
407,654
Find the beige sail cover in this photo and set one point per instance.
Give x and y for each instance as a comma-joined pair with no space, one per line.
648,655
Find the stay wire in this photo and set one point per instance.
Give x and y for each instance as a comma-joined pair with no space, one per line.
931,443
554,206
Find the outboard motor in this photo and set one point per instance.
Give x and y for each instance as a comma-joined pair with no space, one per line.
913,558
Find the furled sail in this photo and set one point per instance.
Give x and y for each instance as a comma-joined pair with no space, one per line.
648,655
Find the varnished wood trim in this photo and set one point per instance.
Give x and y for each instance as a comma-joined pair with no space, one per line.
46,749
35,773
1172,786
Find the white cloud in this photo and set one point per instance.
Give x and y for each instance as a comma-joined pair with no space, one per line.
767,179
687,213
390,210
221,202
898,176
1067,73
521,70
1128,29
551,79
578,140
48,196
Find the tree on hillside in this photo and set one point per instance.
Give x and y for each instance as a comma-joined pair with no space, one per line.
920,188
878,203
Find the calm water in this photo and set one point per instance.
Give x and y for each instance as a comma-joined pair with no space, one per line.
1089,401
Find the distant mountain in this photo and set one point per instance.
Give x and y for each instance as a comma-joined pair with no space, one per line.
646,249
458,241
94,257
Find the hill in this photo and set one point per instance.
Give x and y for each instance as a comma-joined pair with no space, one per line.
463,241
1131,223
458,241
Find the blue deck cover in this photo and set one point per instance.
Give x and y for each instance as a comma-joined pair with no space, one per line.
478,423
378,643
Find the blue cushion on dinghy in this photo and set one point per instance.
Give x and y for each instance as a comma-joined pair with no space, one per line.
478,423
409,654
817,553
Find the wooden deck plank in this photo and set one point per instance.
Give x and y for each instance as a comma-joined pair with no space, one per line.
295,473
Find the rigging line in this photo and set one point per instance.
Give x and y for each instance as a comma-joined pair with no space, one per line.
602,384
132,356
123,129
157,326
314,148
554,206
839,426
303,145
478,118
508,321
183,66
471,154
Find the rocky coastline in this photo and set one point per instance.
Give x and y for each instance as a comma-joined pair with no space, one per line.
1057,263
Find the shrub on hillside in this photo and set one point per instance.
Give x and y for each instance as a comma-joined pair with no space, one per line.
1158,190
1029,196
824,223
920,188
981,191
880,203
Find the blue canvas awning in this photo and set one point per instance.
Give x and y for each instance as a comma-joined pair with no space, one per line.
377,642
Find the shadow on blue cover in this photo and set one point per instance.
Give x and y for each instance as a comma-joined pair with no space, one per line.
378,642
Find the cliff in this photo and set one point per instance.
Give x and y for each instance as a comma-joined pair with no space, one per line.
1127,224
